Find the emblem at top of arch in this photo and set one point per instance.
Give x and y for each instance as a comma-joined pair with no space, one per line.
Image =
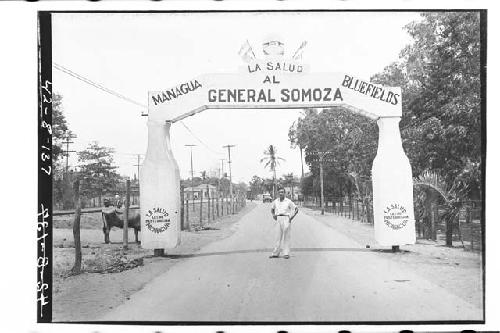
273,56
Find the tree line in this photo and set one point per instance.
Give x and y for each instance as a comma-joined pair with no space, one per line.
96,169
439,73
261,185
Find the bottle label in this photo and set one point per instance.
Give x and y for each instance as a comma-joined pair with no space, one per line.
395,216
157,220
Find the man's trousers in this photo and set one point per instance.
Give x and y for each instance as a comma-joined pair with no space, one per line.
283,232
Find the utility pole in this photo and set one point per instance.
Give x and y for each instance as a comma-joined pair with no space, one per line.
301,162
321,182
138,165
321,156
219,189
192,172
222,167
230,176
68,137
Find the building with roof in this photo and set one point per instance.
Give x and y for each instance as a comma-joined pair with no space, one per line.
200,191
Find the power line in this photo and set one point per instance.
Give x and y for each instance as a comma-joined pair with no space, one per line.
118,95
96,85
199,140
130,154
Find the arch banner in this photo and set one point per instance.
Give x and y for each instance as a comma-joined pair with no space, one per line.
270,89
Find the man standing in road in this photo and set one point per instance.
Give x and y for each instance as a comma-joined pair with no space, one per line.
283,210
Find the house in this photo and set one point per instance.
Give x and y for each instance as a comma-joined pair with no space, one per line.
202,190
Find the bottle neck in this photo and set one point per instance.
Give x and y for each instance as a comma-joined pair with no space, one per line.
158,140
168,143
389,136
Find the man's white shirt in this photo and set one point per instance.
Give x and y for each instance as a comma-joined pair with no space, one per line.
285,207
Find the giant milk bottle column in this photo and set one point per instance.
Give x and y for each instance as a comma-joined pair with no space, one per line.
178,182
394,220
159,191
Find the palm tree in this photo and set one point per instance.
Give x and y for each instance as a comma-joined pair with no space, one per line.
272,161
454,198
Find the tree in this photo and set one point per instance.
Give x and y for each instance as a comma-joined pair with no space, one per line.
289,180
268,184
307,185
60,127
61,188
272,161
440,77
292,137
97,171
256,186
350,140
240,189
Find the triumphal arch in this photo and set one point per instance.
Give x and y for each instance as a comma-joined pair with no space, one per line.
274,81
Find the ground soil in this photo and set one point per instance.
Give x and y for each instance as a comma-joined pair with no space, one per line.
111,274
456,269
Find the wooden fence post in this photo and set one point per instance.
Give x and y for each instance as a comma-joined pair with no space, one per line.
77,268
183,224
222,206
125,215
201,208
192,197
208,204
217,203
188,224
213,209
352,208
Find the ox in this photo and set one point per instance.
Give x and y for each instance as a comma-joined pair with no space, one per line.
111,217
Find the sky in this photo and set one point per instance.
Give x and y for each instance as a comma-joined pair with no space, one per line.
136,53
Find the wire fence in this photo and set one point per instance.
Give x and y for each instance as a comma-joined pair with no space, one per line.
97,201
194,214
351,208
466,229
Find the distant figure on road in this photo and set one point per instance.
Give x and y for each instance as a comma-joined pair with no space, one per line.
283,210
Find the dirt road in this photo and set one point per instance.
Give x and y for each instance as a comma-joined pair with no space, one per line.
329,277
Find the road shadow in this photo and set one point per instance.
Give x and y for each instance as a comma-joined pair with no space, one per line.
269,250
